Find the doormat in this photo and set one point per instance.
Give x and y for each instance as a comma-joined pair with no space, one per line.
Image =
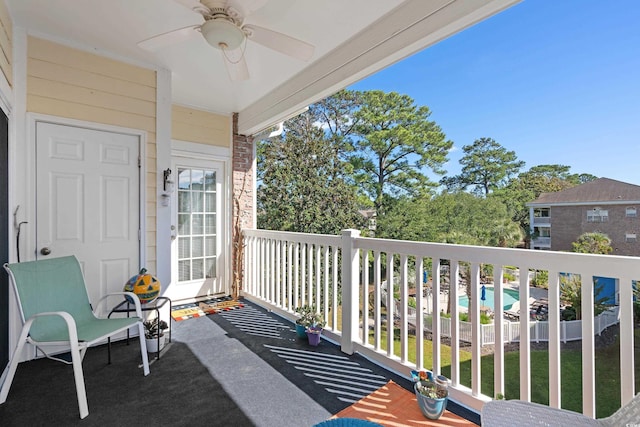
204,307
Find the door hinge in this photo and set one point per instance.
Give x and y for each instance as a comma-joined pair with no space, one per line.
139,162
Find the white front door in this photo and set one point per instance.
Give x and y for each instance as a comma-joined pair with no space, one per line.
197,207
87,198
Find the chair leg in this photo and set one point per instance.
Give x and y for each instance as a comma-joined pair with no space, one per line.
76,358
143,349
13,363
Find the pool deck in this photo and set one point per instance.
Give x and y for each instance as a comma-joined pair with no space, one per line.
538,296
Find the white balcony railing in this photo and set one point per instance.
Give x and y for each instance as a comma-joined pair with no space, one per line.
285,270
541,220
542,242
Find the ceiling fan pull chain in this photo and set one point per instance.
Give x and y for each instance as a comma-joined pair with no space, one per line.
224,52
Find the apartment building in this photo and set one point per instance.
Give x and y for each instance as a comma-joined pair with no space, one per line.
603,205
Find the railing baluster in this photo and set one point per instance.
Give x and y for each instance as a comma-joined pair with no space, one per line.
318,286
296,276
627,347
377,308
277,274
325,295
588,345
419,314
334,307
498,316
404,318
303,271
365,296
525,335
310,274
454,282
474,318
390,306
553,311
290,264
436,326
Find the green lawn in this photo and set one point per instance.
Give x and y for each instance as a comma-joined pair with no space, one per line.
607,373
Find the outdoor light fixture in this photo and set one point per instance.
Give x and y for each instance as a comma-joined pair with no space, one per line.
222,34
168,184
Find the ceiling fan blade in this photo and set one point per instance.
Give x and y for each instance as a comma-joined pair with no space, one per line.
236,64
169,38
280,42
191,4
246,7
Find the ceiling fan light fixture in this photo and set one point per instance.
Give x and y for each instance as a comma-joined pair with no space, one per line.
222,34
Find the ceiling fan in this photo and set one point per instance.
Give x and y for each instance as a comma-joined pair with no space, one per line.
224,29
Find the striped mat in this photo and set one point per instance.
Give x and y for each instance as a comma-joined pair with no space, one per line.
181,312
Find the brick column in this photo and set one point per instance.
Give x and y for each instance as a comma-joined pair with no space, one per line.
242,200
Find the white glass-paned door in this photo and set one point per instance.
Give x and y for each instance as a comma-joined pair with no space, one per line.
197,235
196,224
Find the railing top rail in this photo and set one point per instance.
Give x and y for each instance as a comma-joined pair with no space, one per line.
603,265
321,239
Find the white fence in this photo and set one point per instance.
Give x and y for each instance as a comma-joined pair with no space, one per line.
343,276
570,330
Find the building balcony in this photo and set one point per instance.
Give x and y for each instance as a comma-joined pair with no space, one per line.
541,242
541,221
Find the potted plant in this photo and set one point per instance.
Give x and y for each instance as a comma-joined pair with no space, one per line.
304,320
154,334
431,394
314,330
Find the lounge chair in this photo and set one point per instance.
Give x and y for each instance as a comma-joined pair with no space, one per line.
56,312
507,413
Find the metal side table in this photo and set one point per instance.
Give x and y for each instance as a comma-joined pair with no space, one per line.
155,305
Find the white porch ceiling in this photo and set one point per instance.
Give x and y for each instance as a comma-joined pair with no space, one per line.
352,39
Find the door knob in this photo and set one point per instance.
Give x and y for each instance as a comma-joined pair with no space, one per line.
45,251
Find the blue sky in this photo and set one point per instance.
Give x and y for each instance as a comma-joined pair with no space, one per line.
556,81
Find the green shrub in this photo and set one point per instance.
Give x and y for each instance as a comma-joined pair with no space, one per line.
541,279
484,318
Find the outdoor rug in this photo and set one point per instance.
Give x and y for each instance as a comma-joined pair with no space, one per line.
392,405
204,307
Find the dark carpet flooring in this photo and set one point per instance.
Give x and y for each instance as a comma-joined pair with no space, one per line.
239,368
179,391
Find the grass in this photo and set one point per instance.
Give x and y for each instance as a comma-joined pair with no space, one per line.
607,373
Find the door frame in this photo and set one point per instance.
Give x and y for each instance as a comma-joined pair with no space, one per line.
191,150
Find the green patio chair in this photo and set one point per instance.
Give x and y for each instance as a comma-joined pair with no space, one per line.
56,311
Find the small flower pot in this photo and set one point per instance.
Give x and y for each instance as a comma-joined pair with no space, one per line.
314,336
301,331
432,408
152,344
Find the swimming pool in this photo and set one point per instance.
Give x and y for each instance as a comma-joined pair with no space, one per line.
509,296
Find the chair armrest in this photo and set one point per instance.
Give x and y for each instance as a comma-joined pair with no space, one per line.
134,298
69,320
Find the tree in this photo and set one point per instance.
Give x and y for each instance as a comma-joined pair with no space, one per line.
300,182
459,218
486,166
395,144
593,243
571,293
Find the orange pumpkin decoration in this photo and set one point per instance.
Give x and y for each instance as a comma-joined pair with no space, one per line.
145,286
